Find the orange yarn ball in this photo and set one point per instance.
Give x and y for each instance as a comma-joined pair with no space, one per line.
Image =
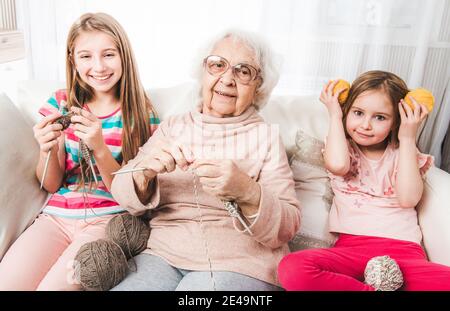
342,84
422,96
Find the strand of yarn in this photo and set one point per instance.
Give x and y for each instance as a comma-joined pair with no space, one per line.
85,153
208,257
83,193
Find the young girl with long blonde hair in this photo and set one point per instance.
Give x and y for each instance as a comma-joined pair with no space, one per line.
112,116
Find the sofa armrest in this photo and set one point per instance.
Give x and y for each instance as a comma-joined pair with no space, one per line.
20,196
434,216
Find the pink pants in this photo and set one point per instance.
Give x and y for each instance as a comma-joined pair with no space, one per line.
42,257
342,267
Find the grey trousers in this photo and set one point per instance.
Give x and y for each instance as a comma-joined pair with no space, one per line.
155,274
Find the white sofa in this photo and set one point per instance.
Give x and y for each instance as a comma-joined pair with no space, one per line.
302,122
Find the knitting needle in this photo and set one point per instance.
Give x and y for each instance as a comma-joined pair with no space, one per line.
45,168
130,170
44,174
244,224
93,171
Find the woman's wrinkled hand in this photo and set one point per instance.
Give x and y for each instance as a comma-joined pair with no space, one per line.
226,181
165,156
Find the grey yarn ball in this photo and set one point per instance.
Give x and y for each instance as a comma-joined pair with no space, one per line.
383,273
130,232
100,265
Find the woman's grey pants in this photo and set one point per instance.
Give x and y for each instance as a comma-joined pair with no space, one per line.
155,274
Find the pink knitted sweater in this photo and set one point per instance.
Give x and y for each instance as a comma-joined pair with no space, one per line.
176,232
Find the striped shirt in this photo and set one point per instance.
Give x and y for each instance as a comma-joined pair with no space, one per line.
69,202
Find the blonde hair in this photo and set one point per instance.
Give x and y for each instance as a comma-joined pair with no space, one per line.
392,85
264,56
135,104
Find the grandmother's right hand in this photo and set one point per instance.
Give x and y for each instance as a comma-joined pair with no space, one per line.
164,156
46,132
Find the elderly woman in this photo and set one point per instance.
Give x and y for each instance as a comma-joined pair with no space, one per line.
217,182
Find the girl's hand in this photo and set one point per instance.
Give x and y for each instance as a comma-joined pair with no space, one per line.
46,133
226,181
88,128
165,156
410,120
331,101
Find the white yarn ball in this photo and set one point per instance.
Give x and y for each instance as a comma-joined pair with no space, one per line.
383,273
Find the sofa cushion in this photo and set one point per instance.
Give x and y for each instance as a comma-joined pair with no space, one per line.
20,197
32,94
293,112
434,215
313,190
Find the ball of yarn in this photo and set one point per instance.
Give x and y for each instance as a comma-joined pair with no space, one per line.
422,96
100,265
131,233
383,273
65,120
342,84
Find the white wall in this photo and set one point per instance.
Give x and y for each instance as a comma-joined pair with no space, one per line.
317,40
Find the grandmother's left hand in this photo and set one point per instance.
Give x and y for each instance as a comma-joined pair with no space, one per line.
225,180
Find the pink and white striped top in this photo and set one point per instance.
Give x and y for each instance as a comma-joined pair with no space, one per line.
68,202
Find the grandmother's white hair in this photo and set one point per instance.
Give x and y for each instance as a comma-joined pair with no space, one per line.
264,57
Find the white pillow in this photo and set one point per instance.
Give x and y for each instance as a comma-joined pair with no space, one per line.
174,100
32,94
313,190
20,197
292,112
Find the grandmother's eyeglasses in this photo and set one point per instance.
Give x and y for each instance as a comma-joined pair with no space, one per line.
217,66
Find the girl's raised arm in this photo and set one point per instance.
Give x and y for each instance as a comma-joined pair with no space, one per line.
336,155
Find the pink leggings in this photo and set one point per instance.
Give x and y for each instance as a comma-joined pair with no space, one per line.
42,257
341,268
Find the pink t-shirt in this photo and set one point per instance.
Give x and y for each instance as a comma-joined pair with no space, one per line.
365,201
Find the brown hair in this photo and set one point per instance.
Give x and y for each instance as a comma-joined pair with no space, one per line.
393,86
135,104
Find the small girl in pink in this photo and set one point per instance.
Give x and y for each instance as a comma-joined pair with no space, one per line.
376,174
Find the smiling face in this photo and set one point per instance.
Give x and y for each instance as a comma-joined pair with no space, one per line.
370,119
97,61
224,96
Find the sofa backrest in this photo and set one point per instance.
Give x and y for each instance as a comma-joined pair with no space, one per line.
289,112
303,123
